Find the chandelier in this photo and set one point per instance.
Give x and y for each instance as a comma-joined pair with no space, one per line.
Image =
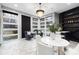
40,12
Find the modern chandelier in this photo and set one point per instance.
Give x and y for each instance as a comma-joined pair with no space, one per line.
40,12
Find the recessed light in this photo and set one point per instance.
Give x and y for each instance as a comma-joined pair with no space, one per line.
15,5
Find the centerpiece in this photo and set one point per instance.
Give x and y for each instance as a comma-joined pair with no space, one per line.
54,29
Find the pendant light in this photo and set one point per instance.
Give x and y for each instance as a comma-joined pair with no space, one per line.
40,12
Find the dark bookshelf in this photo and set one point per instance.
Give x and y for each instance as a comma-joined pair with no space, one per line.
70,22
70,19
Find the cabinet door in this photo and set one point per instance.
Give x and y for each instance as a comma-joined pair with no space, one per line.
25,25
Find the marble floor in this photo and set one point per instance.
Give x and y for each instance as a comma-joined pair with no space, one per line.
18,47
25,47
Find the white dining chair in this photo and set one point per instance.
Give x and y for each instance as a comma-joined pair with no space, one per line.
43,49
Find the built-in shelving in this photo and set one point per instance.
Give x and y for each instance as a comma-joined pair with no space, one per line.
34,24
70,19
42,25
45,23
70,22
10,26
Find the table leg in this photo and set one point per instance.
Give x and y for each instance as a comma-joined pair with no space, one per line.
61,51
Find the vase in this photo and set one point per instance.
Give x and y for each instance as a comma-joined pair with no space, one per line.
52,35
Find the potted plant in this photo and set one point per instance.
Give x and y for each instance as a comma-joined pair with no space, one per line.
59,29
53,29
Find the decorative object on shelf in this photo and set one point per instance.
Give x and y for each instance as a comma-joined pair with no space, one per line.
40,12
38,32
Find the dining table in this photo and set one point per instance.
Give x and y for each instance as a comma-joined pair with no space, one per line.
58,42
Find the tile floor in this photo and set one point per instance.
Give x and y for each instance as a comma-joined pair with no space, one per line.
18,47
24,47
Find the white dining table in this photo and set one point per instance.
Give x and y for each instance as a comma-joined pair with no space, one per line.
57,42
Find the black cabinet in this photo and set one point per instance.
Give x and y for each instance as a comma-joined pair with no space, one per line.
70,22
70,19
25,25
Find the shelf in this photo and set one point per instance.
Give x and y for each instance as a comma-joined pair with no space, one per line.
9,23
10,38
9,17
48,20
10,29
76,13
42,21
34,21
71,23
35,25
71,18
71,27
6,35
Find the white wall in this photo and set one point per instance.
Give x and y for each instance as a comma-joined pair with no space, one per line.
56,18
19,26
0,24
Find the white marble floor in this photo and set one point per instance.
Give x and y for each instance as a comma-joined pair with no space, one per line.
18,47
73,48
25,47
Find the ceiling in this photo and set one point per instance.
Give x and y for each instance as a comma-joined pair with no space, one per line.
31,8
